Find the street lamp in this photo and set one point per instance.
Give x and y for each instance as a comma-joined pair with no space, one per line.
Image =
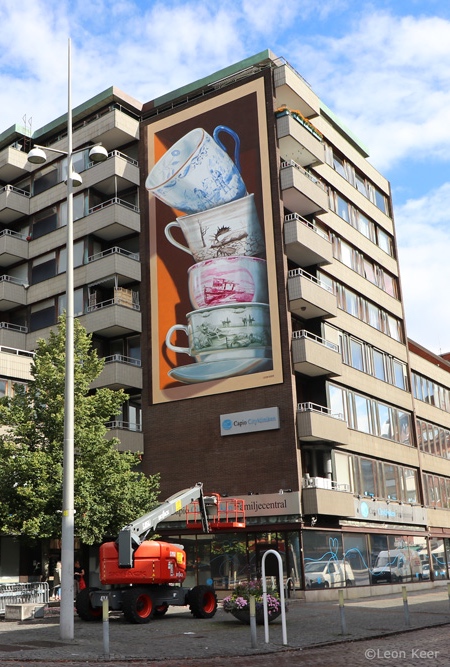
38,156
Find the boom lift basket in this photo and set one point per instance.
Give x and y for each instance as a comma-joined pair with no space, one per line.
223,513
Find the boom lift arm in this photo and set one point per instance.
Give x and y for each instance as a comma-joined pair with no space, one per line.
131,536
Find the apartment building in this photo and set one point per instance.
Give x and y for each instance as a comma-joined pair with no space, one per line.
253,312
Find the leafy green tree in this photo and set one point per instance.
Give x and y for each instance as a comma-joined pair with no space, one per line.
109,491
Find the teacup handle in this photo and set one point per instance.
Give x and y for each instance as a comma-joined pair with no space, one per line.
170,238
176,348
237,142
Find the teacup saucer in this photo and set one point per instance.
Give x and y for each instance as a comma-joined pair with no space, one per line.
219,370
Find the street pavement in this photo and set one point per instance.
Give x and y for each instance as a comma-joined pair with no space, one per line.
368,632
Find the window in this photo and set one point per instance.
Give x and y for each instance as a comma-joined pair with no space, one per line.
363,416
337,403
78,257
45,178
378,365
339,166
45,222
78,302
380,201
391,482
357,355
368,477
43,267
361,185
409,483
386,421
399,374
42,315
343,210
384,241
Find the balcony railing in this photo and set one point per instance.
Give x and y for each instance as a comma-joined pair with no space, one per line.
16,235
290,217
293,273
13,327
18,191
114,251
324,483
14,280
321,341
111,202
119,358
320,409
115,301
126,426
305,172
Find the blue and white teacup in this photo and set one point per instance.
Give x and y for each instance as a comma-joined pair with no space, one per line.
197,174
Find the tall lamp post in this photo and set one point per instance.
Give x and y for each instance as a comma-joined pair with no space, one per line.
38,156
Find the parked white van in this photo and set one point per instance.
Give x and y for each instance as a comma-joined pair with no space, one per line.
396,565
329,574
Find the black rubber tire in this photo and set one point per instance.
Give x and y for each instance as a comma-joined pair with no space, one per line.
160,611
326,584
84,608
137,605
202,601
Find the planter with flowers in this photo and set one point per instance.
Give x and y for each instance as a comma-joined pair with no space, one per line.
238,603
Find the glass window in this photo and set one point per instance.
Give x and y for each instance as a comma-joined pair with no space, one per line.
399,374
404,421
386,421
78,302
351,302
391,482
44,222
78,209
45,178
378,365
384,241
394,328
390,284
43,268
339,166
343,210
369,272
346,254
374,316
134,347
368,477
3,388
337,400
409,482
380,201
42,315
361,185
362,408
357,352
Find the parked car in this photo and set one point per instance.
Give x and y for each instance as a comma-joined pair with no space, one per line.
328,574
396,565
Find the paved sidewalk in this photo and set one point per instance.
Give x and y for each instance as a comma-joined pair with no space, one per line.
178,637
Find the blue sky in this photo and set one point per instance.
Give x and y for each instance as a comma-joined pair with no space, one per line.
382,66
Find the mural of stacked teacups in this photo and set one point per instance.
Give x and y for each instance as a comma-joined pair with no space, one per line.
228,330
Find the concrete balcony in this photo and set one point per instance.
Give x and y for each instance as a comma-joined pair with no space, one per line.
116,174
323,496
14,204
314,356
13,164
111,128
302,192
114,219
13,335
294,92
114,261
119,372
114,317
316,423
12,292
304,244
130,436
13,247
309,297
299,140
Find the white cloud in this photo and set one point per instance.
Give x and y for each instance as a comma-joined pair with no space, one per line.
388,78
423,233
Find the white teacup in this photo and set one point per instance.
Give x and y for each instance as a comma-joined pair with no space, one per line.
223,280
196,173
225,332
231,229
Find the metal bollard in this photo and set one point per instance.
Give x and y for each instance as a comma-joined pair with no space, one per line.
342,613
405,606
105,619
252,601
